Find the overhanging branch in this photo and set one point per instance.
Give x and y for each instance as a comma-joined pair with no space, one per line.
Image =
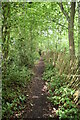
60,24
63,11
65,27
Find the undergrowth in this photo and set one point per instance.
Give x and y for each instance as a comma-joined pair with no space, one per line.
13,91
60,95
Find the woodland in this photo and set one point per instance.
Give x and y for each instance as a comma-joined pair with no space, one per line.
40,60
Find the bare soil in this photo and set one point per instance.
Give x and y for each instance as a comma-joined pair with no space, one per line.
37,104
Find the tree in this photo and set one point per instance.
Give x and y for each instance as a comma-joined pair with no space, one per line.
70,20
79,38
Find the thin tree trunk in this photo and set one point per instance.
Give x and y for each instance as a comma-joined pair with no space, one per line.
79,38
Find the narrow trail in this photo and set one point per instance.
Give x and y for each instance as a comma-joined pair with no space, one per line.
38,105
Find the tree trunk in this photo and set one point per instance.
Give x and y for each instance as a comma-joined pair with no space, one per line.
71,31
79,38
70,20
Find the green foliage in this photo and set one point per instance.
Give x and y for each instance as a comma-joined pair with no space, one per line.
16,74
13,106
26,28
63,97
49,72
14,85
60,95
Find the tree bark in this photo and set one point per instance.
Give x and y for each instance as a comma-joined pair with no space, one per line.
71,31
77,93
79,38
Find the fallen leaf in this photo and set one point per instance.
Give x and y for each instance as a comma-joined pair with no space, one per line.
35,96
31,104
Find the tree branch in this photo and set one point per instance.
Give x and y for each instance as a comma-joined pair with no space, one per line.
65,27
54,20
63,11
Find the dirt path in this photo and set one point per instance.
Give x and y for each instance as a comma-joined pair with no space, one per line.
37,104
